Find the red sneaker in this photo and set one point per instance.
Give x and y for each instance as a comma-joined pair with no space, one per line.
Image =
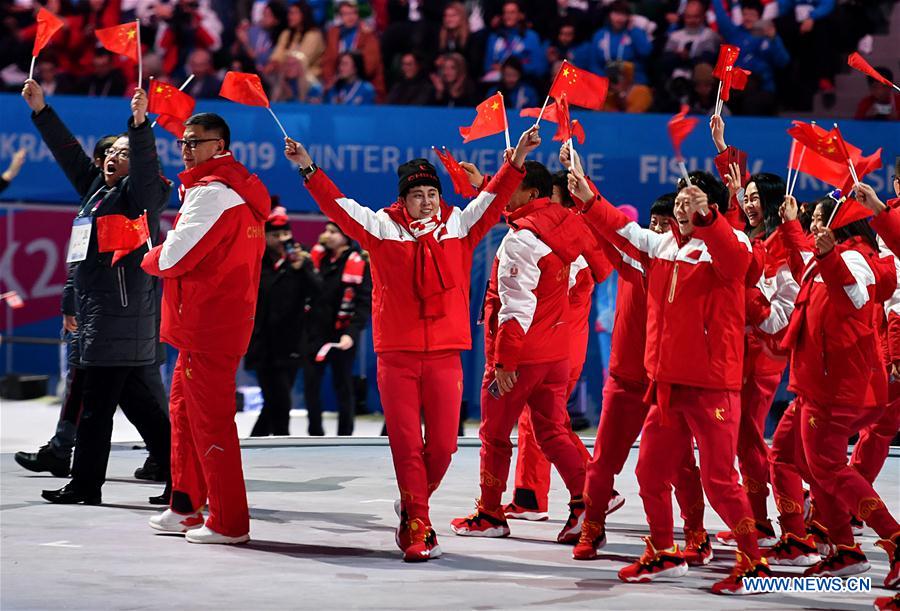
571,532
516,512
743,567
697,548
423,543
401,534
887,603
655,564
482,523
892,547
765,535
615,502
843,561
819,534
591,540
791,550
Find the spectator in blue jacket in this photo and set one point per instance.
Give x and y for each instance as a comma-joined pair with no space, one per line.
514,39
618,40
566,45
762,51
350,88
516,94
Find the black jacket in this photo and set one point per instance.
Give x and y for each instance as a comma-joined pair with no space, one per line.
117,308
277,338
322,323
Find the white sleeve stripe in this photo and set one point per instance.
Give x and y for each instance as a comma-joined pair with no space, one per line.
781,302
577,265
518,275
471,214
863,275
743,239
202,208
641,238
362,215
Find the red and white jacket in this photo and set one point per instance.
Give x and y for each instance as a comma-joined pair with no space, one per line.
836,355
526,310
397,320
695,295
211,258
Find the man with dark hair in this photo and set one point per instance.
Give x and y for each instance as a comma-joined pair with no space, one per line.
695,276
662,213
112,306
527,350
211,261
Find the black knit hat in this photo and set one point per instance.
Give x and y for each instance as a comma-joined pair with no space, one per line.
417,172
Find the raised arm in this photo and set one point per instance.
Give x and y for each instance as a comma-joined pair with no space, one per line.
148,189
78,167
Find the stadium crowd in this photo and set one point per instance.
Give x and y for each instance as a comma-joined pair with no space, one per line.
658,54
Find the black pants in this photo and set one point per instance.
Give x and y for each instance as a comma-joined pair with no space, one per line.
276,384
341,362
141,389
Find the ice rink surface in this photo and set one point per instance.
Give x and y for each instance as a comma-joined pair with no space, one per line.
323,538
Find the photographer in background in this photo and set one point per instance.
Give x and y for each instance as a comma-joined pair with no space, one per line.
287,280
336,318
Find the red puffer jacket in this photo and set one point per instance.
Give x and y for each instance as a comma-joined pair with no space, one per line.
695,296
398,322
211,259
526,308
836,355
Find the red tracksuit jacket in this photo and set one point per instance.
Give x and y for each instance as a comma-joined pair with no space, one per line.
526,309
397,322
835,347
211,259
695,296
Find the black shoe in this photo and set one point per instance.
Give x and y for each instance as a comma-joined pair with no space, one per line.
44,460
151,471
164,498
69,495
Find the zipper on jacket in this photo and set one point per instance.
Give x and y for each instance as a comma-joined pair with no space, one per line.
673,282
123,293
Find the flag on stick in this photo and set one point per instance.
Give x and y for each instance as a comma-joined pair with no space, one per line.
246,88
583,88
848,211
490,119
47,25
857,62
458,176
550,113
680,126
121,39
821,157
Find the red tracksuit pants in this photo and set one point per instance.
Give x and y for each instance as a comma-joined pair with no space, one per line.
417,387
874,442
206,454
811,443
752,450
621,420
541,386
712,417
532,467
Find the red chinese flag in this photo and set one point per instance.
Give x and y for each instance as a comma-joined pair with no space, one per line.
728,55
244,88
848,212
460,179
551,114
121,39
831,169
857,62
735,78
166,99
819,141
563,120
580,86
679,127
490,120
47,25
173,125
121,235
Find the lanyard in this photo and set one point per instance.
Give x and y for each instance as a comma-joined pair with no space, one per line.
90,200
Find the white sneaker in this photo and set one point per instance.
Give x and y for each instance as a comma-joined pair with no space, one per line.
206,535
169,521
